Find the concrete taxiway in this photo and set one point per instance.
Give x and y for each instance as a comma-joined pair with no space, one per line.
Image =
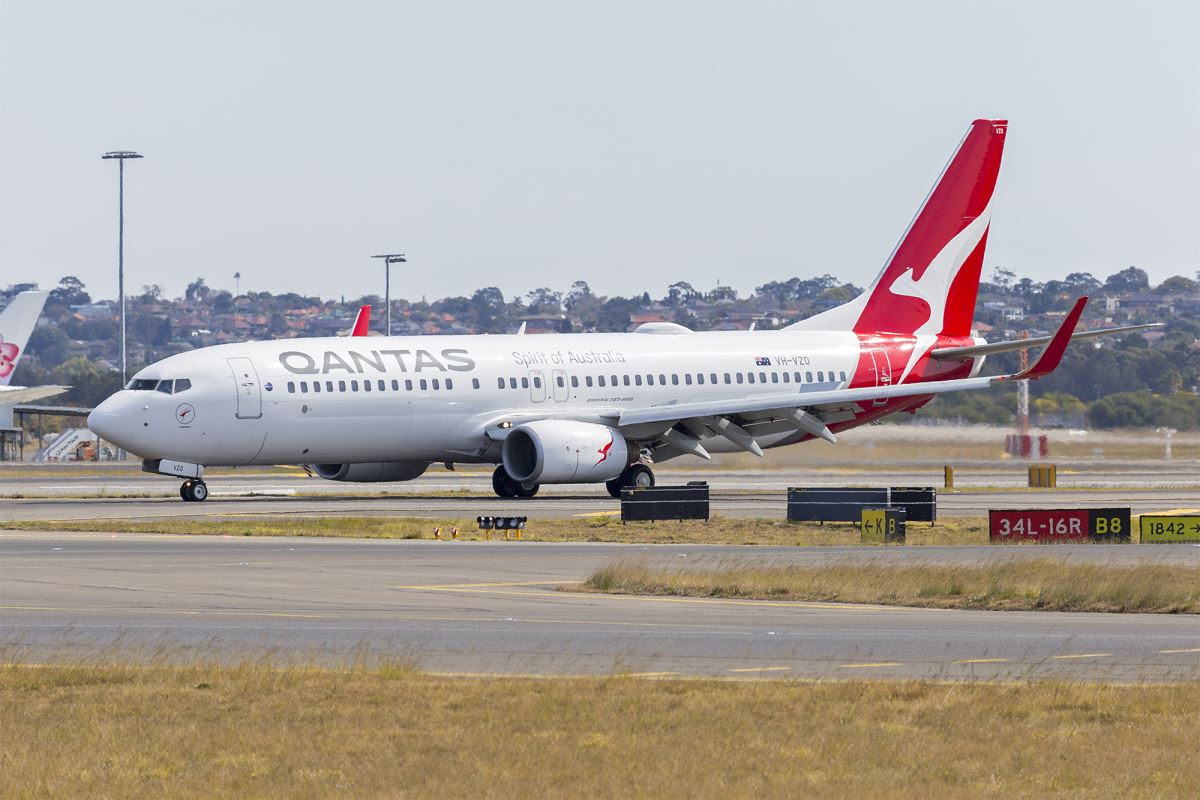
100,491
762,504
106,480
478,607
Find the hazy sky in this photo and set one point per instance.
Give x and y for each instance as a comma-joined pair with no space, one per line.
628,144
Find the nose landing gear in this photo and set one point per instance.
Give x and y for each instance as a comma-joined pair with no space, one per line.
193,491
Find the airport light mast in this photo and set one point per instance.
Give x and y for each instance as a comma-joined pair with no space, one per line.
120,156
388,260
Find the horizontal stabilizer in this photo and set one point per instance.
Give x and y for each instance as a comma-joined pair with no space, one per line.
58,411
11,395
972,351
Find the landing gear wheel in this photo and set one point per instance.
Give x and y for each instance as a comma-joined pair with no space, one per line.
636,476
193,491
527,491
639,476
503,485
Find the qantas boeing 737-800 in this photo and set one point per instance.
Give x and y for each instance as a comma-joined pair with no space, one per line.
597,407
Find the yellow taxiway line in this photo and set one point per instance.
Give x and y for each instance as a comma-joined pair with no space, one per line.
872,664
1081,655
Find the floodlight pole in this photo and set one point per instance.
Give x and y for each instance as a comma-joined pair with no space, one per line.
388,260
120,156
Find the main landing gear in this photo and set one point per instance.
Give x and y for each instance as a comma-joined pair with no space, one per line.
504,486
637,476
194,491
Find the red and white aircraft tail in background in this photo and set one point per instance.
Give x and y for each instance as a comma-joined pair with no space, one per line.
362,322
596,407
17,322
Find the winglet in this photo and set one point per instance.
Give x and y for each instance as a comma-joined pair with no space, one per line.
362,323
1047,362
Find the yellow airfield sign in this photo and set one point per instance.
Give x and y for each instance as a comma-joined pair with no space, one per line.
1162,528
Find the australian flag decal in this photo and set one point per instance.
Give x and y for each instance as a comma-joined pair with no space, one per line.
762,361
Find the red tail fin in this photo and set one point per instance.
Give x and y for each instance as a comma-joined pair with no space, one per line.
932,277
362,323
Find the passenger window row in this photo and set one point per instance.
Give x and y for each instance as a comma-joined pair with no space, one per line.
674,379
177,385
368,385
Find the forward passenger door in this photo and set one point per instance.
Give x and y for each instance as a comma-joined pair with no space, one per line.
245,380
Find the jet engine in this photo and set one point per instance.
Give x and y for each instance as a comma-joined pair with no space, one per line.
564,451
372,472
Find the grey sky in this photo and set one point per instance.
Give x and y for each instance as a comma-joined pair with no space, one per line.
629,144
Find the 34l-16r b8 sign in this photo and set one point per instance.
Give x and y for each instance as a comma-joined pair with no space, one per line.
1060,525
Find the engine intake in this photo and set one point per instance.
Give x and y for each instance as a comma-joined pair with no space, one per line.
564,451
372,472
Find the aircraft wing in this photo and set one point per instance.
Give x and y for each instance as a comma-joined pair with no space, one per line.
682,425
11,395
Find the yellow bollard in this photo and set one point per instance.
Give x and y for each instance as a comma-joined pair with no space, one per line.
1043,476
437,533
454,532
506,534
949,472
518,534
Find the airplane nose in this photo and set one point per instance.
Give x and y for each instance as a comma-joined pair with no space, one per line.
107,422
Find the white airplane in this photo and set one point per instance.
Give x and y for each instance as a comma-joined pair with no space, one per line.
17,322
590,408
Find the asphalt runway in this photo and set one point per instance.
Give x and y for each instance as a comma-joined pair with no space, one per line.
493,608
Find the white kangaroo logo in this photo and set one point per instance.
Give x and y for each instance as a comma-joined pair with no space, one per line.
934,284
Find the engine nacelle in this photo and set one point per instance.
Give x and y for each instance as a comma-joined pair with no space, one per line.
564,451
372,472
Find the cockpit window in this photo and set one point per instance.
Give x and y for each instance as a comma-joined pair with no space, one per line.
166,386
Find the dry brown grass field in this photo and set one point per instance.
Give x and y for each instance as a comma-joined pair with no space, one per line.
1043,584
260,731
600,528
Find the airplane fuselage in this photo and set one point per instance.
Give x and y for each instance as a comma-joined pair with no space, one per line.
434,398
